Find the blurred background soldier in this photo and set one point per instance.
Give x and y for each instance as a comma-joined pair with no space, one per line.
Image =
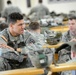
10,9
38,12
35,32
66,54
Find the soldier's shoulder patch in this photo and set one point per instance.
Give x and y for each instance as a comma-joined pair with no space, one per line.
3,37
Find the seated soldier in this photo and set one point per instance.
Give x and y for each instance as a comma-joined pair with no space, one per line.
13,39
34,30
39,40
68,36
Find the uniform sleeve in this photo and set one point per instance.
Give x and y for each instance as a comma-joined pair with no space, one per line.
2,41
36,44
29,47
13,56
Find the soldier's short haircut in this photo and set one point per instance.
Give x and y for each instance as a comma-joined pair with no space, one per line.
9,2
13,17
40,1
3,25
72,17
34,25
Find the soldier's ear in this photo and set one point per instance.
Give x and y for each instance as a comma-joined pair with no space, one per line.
11,24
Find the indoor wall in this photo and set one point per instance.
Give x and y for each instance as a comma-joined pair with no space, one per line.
57,7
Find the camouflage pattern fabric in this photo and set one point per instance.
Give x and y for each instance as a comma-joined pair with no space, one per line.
10,9
64,54
38,12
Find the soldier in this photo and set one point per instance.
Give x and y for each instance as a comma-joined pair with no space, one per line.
64,55
9,9
34,30
72,27
69,36
13,39
39,12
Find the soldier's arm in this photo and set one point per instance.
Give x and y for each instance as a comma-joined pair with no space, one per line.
32,45
8,52
73,40
27,48
12,55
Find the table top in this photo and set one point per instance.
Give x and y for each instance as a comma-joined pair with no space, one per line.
60,28
52,46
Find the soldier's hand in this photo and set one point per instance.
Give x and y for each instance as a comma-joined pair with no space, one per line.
73,40
18,49
5,46
25,57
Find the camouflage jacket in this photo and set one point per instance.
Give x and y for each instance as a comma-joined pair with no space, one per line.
64,54
38,12
10,9
67,36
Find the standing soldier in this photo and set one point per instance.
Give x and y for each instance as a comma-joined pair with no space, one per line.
9,9
38,12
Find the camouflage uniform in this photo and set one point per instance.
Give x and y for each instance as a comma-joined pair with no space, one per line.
10,9
38,12
64,54
66,36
